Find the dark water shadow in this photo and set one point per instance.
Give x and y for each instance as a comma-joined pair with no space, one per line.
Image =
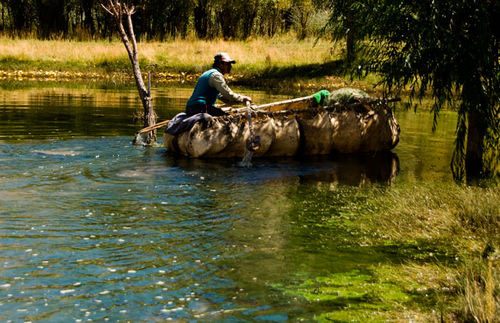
351,169
358,169
423,251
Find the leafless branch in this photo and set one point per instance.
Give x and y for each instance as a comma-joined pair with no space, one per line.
116,10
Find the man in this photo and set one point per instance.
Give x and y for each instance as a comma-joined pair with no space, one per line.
212,86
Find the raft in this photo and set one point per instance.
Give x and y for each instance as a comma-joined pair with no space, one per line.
348,121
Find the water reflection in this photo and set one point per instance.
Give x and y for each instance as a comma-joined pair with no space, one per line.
352,169
64,113
358,169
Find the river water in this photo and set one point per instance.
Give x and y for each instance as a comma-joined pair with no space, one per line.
93,228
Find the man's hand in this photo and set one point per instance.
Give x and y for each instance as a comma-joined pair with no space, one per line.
246,99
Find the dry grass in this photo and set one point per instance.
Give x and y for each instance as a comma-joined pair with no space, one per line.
478,298
258,53
282,63
442,212
59,50
179,55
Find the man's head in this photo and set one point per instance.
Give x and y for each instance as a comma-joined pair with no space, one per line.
223,62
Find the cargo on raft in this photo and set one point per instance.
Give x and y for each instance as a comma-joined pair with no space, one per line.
345,121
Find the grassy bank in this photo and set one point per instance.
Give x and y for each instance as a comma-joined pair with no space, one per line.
265,62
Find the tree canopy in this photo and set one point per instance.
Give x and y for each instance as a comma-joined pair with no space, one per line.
158,19
448,49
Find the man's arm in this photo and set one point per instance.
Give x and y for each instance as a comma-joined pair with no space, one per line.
227,95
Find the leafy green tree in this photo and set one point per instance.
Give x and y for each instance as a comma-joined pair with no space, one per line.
450,49
302,11
20,13
271,16
349,21
165,17
156,19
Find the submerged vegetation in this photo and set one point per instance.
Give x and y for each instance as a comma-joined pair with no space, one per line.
467,220
444,241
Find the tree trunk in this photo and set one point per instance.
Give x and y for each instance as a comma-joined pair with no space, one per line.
201,19
21,16
50,23
228,20
474,151
88,20
147,102
117,10
350,38
248,17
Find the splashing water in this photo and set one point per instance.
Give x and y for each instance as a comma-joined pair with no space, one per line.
139,139
247,160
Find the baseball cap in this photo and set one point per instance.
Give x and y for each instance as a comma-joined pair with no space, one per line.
224,57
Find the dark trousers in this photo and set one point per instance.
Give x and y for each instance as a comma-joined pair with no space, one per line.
203,108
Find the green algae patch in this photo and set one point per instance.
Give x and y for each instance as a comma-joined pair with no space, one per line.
361,296
353,288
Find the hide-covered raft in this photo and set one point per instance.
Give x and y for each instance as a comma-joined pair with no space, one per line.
353,124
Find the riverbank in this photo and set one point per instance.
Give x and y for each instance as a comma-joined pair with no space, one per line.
183,55
271,63
452,234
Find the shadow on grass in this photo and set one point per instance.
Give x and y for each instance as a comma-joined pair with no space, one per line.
293,72
337,67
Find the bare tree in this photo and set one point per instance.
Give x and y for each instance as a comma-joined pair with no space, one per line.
119,12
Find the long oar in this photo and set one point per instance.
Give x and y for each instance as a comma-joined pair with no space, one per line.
153,127
137,138
273,106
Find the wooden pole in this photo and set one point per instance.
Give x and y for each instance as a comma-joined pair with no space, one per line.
281,105
156,126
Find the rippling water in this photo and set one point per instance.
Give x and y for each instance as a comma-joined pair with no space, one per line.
94,228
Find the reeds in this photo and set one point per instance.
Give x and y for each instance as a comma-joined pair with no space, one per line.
478,294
